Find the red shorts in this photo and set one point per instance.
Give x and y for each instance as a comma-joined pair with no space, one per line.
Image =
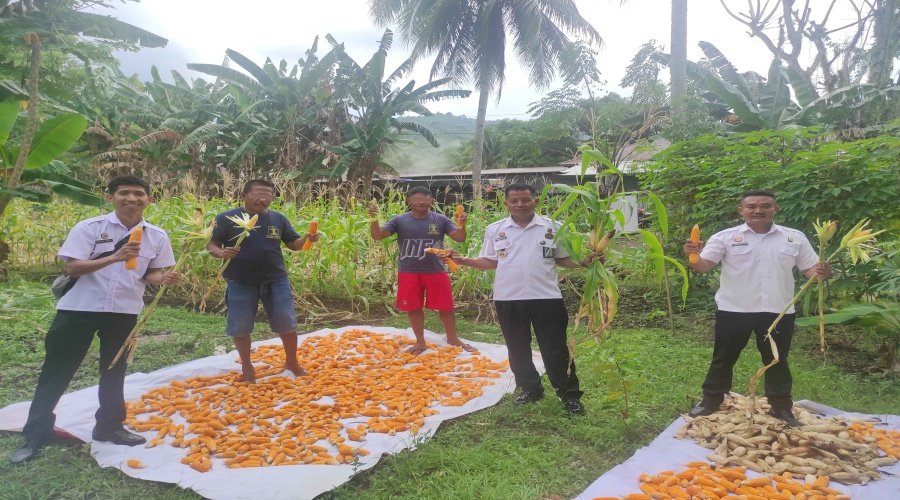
435,288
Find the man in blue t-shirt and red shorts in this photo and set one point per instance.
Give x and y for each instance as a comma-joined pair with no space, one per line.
422,280
257,272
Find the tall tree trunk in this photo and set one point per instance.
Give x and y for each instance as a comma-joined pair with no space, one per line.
887,43
483,93
678,66
34,72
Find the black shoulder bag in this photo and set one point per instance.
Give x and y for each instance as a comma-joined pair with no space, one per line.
63,283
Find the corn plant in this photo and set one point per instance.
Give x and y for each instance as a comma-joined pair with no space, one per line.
589,221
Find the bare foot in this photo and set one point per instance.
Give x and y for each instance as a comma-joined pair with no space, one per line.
296,369
417,349
463,345
248,374
459,343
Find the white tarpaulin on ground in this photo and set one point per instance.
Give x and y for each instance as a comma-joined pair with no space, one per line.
667,452
75,415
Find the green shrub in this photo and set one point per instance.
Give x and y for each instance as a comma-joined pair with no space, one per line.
814,176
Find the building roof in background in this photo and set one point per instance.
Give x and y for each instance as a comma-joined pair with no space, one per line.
631,157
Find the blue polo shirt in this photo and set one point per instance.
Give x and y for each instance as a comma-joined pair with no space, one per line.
260,259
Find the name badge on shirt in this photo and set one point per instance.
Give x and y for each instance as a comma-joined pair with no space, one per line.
740,244
547,247
500,244
103,240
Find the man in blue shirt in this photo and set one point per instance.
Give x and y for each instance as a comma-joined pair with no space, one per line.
256,272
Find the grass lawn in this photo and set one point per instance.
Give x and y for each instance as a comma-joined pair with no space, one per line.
502,452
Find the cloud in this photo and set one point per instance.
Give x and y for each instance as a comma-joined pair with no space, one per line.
201,30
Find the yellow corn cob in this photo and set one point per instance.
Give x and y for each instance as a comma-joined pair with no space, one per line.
136,235
441,252
694,258
313,229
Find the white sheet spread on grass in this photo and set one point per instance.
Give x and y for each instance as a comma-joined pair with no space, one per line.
667,452
75,415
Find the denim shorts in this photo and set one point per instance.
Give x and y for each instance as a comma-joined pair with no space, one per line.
243,299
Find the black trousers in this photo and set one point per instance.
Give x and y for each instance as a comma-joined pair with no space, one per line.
732,332
67,342
549,319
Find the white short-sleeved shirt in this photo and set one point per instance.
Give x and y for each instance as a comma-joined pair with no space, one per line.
526,258
112,288
757,269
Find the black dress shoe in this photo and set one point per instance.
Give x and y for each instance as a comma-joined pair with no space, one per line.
787,416
573,407
704,408
118,436
528,397
28,451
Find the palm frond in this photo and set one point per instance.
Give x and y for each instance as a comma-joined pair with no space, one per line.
201,134
155,137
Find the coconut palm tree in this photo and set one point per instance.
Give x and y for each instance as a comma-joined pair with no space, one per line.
678,67
469,41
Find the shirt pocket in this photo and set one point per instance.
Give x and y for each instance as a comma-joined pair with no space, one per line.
739,256
146,255
787,253
548,248
101,248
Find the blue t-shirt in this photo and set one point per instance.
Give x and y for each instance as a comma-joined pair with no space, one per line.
414,236
260,259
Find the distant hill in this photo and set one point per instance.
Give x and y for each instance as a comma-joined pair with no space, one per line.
418,156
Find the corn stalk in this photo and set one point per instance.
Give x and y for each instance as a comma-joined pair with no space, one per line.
130,344
825,232
858,242
588,211
248,224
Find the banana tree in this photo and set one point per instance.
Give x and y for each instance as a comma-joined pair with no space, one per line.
375,109
41,172
59,24
768,104
181,128
284,114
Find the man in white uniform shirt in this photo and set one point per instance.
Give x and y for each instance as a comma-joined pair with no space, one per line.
524,252
106,301
757,282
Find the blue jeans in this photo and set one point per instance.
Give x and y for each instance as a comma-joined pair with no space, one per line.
243,299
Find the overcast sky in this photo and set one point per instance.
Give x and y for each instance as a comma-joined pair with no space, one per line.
200,31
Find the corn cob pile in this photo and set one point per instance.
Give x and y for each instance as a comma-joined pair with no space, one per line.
359,382
847,452
702,481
